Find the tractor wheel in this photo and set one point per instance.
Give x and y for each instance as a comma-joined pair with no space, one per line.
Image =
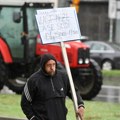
89,81
16,85
3,73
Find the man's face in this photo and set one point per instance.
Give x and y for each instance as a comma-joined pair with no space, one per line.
50,67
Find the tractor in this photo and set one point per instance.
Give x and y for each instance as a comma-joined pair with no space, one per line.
21,49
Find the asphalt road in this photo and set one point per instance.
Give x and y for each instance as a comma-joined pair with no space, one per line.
109,94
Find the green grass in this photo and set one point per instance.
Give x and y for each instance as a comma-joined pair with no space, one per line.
97,111
10,107
113,73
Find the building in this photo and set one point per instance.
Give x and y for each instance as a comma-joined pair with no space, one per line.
93,19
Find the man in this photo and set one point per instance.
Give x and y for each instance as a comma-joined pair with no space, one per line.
44,94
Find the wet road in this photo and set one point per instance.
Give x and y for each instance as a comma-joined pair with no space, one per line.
109,94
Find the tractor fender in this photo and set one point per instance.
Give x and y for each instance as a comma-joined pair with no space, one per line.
5,52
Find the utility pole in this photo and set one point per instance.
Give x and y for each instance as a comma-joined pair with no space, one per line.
112,16
117,33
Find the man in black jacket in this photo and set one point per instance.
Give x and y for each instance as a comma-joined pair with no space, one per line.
45,93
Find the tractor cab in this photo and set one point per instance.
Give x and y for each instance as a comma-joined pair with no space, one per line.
18,28
20,49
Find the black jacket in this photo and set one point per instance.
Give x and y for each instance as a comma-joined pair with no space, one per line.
44,96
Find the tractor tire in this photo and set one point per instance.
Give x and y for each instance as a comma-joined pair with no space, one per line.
3,73
17,84
89,81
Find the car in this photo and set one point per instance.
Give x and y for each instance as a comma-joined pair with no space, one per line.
106,54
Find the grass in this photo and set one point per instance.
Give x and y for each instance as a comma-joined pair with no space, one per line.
97,111
110,73
10,107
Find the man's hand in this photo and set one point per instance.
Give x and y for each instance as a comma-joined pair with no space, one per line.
80,112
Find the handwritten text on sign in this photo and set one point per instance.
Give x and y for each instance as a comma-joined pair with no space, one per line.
56,25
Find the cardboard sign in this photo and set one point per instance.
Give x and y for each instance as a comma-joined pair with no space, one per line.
58,24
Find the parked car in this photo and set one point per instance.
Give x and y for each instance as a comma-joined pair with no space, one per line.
107,54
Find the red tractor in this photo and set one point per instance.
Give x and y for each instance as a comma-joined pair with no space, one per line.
21,50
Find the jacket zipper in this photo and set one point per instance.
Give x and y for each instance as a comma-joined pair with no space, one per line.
52,85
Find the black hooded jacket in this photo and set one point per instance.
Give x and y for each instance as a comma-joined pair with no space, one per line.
44,96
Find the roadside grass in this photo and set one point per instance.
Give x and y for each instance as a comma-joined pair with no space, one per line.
111,73
10,106
94,110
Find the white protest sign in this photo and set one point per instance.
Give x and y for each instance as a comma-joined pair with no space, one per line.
58,24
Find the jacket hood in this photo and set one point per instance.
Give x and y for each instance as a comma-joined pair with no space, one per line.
45,58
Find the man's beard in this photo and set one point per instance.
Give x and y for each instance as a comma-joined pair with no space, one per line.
51,73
